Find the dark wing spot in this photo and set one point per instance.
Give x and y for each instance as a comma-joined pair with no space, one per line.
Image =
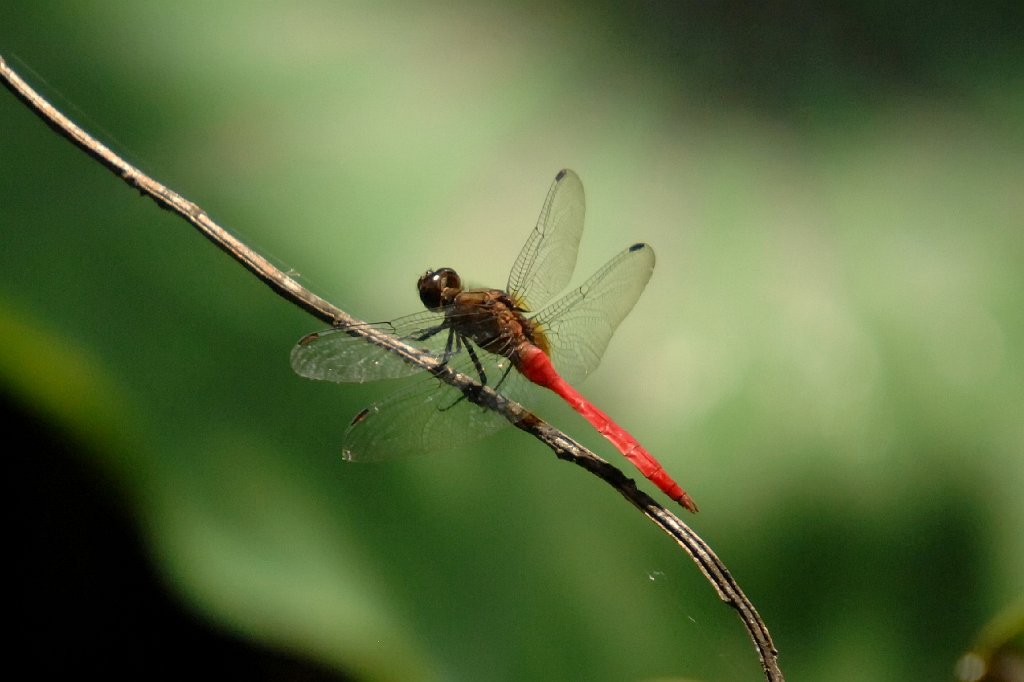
309,338
361,416
561,174
637,247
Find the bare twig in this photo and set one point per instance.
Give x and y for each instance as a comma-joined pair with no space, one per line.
564,447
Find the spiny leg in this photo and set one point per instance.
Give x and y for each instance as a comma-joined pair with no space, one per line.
428,333
462,341
448,351
503,376
476,363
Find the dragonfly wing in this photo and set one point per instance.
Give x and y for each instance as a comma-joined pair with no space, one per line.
579,325
426,416
339,354
546,263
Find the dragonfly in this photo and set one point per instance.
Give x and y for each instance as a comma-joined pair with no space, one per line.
511,339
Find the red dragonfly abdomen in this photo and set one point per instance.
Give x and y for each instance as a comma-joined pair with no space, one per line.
535,365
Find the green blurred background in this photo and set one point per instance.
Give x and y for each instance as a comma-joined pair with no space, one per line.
830,356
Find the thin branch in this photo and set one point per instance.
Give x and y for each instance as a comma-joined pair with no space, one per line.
564,447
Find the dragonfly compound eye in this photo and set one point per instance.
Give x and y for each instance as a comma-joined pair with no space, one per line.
438,288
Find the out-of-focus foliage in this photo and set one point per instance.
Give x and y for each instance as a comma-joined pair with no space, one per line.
830,356
997,654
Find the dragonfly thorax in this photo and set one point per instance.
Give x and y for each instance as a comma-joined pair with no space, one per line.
438,288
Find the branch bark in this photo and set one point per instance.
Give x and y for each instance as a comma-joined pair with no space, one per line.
563,446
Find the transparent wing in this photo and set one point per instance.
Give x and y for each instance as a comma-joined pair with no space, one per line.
424,414
428,415
579,325
546,263
337,354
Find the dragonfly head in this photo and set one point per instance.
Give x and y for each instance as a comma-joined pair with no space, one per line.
438,288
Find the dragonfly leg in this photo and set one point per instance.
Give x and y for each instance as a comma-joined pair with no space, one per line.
503,376
425,334
448,351
476,363
482,375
